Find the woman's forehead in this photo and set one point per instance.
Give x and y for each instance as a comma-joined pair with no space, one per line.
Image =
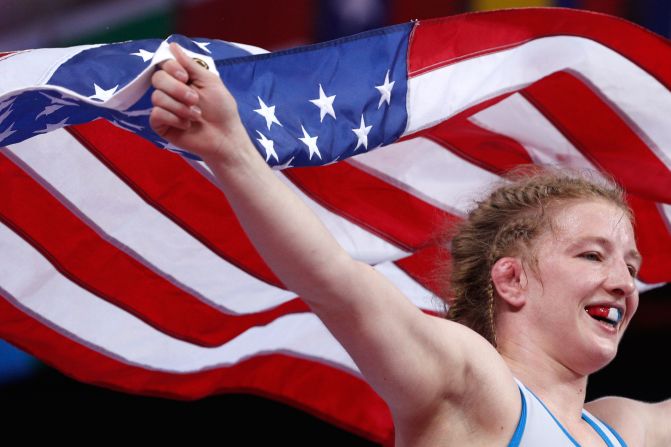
595,220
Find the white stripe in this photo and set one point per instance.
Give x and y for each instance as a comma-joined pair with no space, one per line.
356,241
412,290
439,94
112,206
544,143
644,286
665,209
251,49
359,243
430,172
74,312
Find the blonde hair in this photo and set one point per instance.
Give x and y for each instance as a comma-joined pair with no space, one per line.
506,223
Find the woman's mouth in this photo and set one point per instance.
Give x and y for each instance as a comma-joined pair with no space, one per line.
604,313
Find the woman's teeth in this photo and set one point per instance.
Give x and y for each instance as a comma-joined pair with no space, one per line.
611,315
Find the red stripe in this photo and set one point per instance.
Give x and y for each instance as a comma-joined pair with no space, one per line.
427,267
481,147
471,35
316,388
83,256
393,214
601,134
169,184
653,240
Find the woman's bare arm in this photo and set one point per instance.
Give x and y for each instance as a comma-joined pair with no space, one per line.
413,360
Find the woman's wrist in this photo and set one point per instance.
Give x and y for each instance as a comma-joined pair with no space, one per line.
235,150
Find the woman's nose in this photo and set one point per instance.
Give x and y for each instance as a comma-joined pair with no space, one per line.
620,281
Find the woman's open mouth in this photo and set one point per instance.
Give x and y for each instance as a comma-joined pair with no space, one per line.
607,314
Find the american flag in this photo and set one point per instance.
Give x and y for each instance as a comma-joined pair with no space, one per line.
122,265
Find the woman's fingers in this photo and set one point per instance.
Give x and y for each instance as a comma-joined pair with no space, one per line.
195,71
173,67
178,90
175,102
161,99
161,120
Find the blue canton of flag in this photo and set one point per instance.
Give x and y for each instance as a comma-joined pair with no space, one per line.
322,103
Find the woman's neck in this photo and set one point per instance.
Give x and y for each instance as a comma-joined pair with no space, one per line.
561,389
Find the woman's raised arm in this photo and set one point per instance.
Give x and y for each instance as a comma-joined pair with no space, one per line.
403,353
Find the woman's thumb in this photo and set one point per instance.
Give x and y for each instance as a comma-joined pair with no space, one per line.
195,70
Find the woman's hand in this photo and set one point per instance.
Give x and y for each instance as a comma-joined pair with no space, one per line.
194,110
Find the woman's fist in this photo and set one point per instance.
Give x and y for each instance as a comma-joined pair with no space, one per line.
193,109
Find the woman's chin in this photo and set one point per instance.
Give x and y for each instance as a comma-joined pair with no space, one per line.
597,359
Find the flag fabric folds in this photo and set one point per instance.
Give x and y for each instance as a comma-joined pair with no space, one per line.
122,265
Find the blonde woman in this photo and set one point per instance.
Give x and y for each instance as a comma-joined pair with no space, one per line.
543,274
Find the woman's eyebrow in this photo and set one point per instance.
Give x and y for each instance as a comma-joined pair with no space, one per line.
636,255
606,243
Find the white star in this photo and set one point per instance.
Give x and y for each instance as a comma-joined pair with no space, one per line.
178,150
7,103
51,127
362,134
385,90
173,148
269,146
325,104
268,113
103,95
311,143
60,101
48,110
144,54
4,116
7,132
143,112
203,45
128,126
284,166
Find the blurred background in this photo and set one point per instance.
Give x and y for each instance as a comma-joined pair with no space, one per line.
639,371
271,25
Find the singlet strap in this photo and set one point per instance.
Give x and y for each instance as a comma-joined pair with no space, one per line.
537,423
607,433
519,431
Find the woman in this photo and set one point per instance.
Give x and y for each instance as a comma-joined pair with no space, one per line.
550,290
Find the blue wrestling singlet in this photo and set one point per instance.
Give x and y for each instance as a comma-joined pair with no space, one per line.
539,427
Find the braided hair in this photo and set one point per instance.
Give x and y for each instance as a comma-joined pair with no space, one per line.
507,223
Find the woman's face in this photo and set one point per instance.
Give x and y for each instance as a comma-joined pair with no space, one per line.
582,292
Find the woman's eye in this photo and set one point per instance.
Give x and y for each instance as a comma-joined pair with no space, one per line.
591,256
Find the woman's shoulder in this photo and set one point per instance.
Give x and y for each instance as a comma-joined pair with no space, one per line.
639,423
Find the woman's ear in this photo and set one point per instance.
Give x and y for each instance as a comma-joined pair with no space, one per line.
509,280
